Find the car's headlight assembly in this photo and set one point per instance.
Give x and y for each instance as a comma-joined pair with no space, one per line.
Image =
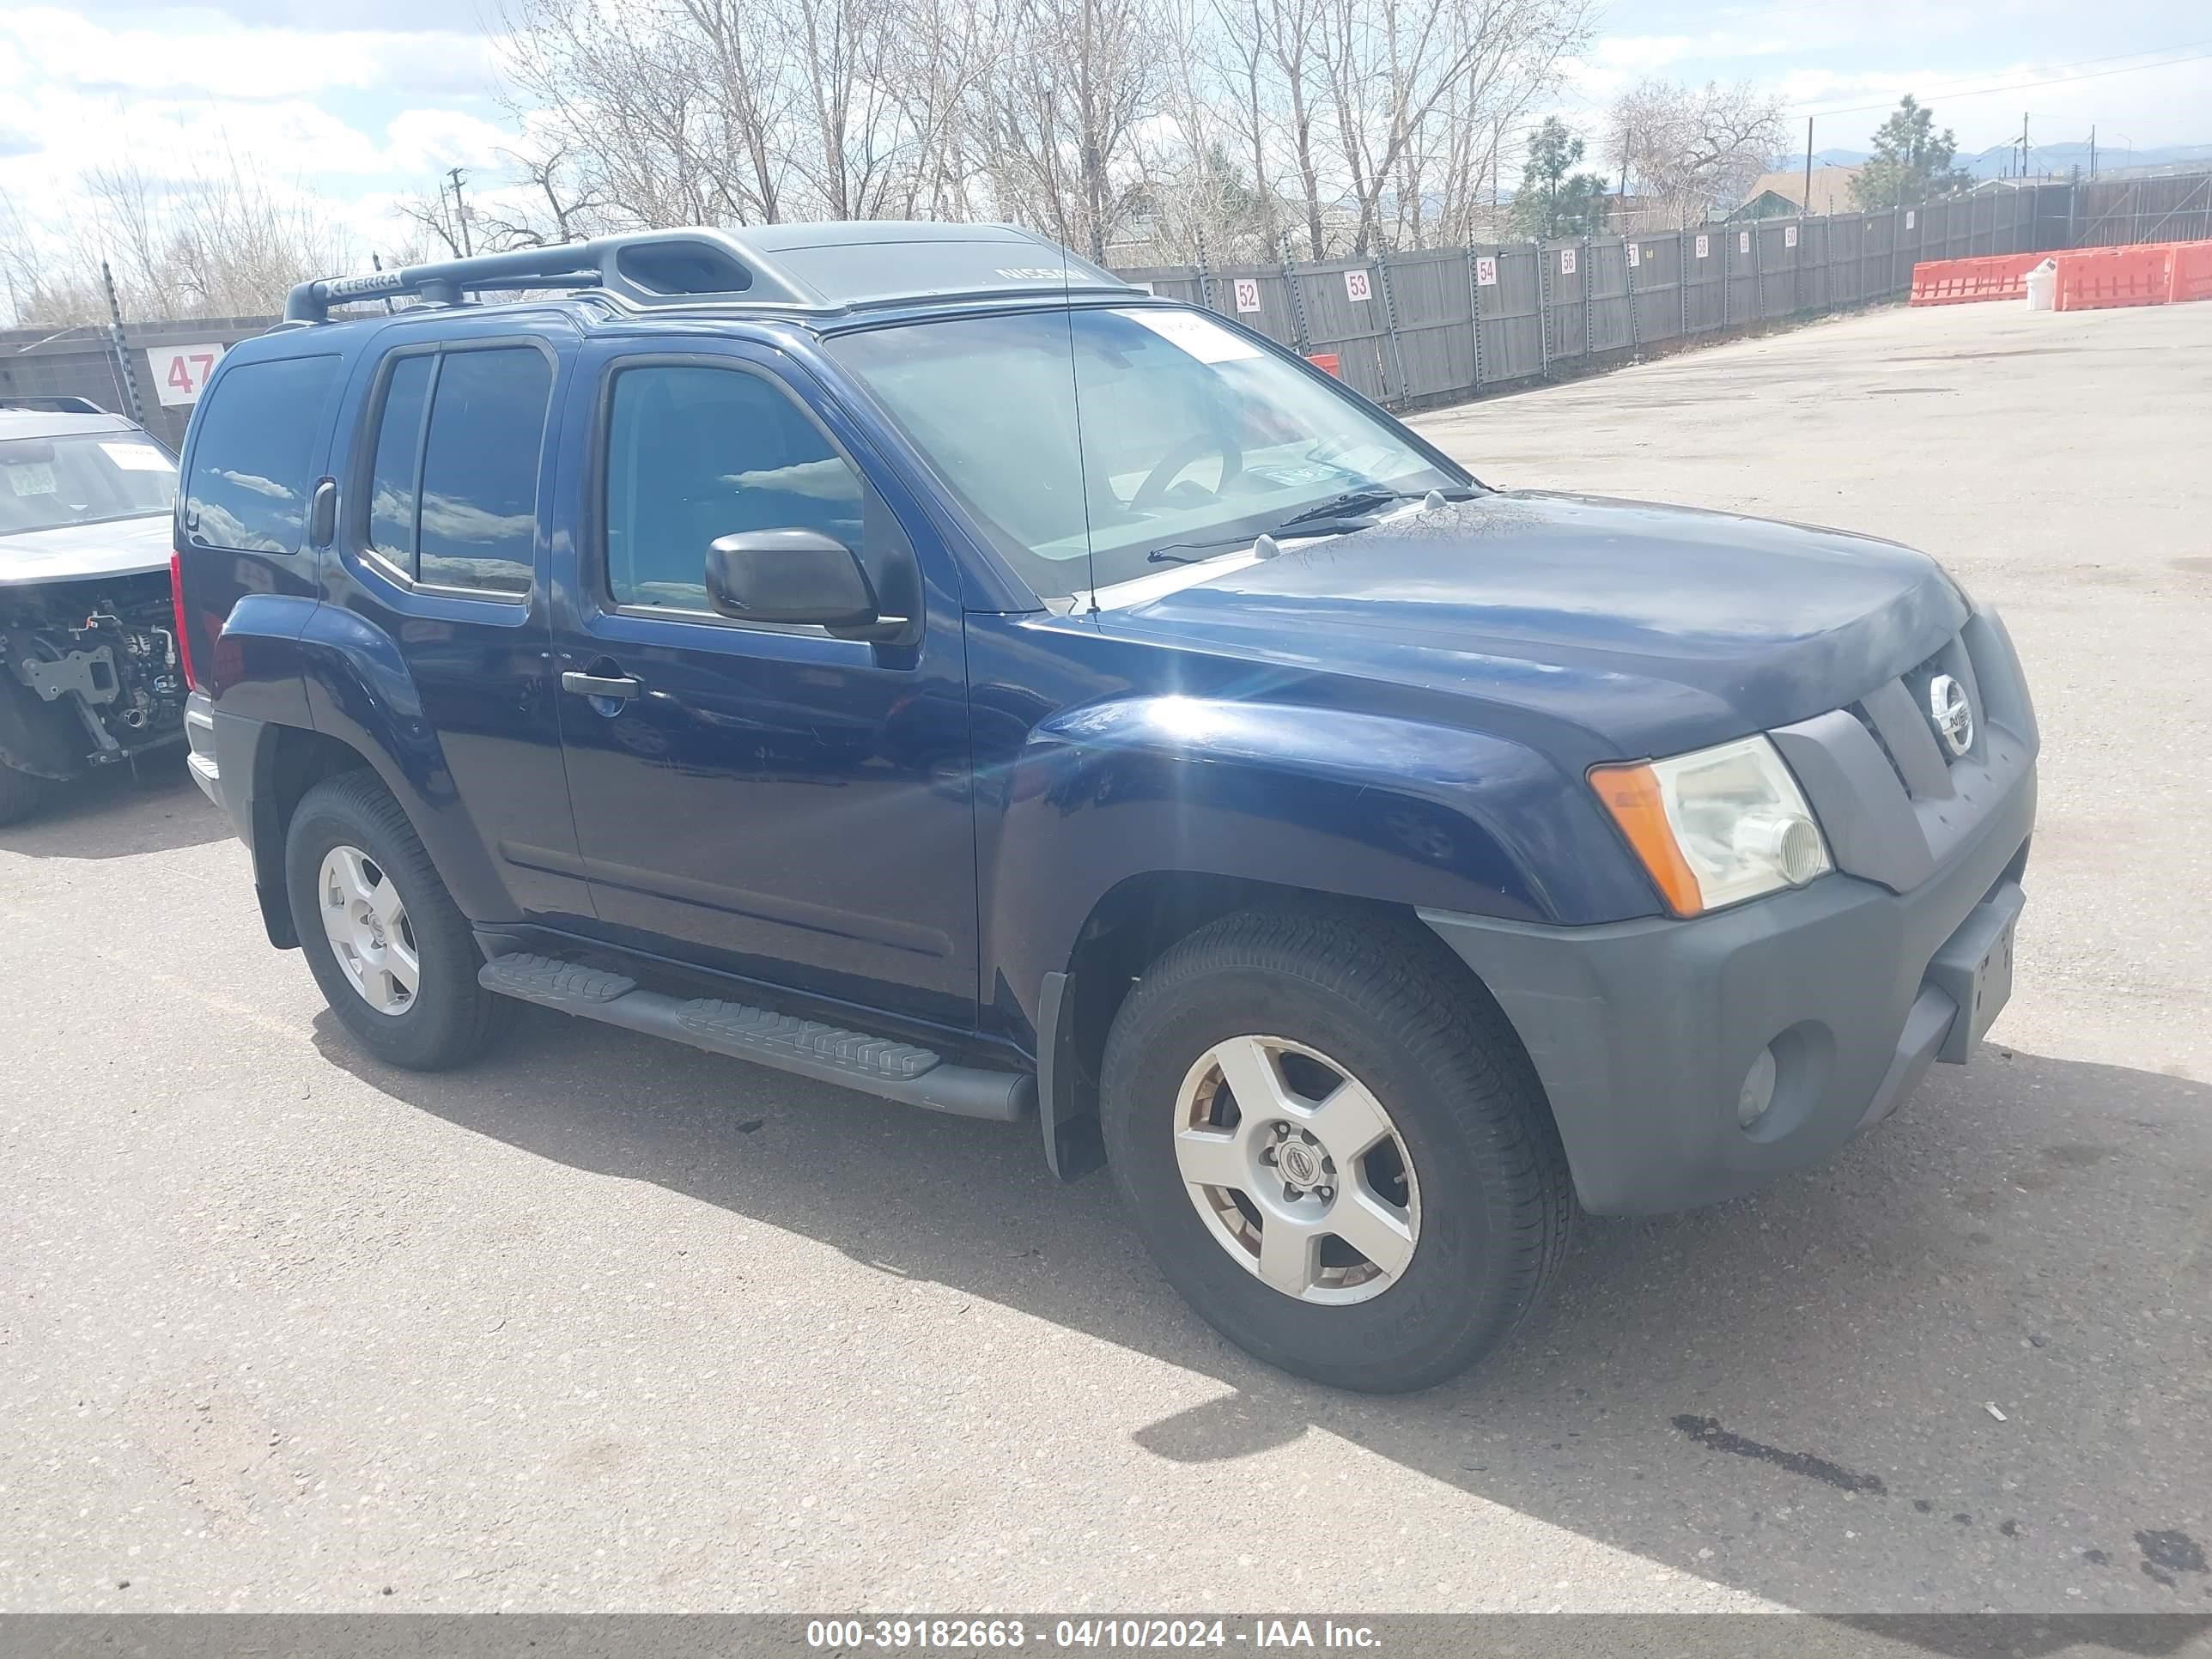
1715,827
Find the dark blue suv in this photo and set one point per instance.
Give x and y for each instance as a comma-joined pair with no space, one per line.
911,657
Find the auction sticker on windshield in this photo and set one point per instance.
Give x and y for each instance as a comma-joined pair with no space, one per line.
1201,337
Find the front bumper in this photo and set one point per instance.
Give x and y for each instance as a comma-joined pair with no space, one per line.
1642,1032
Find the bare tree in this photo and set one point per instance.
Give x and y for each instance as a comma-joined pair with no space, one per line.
1692,150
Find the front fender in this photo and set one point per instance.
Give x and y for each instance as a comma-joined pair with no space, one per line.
359,692
1355,804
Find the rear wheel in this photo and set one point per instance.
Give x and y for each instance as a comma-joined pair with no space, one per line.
1334,1148
391,951
20,794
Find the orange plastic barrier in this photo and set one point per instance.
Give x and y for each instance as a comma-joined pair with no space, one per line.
1963,281
2189,272
1328,363
2100,279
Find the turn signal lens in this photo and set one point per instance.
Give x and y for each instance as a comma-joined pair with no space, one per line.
1715,827
1632,794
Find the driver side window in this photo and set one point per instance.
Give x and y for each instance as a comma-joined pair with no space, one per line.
694,452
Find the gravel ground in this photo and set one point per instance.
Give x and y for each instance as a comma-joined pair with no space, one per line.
608,1323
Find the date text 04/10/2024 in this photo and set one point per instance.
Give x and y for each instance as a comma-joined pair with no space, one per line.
843,1635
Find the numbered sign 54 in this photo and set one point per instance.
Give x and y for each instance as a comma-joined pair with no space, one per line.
180,372
1356,286
1485,270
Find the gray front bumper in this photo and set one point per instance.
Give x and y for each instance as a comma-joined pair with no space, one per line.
1642,1031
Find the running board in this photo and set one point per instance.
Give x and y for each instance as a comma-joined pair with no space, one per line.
896,1071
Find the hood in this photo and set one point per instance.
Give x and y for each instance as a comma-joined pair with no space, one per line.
73,552
1650,629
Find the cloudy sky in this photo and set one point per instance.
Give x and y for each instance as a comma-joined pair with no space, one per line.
367,101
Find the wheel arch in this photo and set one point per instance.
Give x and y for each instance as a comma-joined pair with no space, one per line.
1134,923
287,761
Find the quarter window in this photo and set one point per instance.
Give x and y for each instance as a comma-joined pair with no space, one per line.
454,483
249,485
695,452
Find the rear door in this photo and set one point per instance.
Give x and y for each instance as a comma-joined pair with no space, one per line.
766,799
441,568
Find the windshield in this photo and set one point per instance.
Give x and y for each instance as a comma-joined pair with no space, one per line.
1192,436
83,478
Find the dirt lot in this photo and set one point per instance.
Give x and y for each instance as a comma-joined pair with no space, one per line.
609,1323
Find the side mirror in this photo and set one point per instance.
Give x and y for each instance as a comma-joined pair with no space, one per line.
794,576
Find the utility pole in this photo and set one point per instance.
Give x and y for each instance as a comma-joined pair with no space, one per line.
2093,154
1806,206
460,211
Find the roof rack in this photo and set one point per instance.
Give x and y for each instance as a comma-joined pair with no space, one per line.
826,266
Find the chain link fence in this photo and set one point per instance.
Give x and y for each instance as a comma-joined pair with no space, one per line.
1410,329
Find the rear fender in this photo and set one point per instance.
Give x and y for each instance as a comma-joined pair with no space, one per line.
359,691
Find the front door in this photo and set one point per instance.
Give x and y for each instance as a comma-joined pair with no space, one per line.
770,800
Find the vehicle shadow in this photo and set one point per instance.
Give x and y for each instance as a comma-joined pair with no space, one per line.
151,805
1792,1395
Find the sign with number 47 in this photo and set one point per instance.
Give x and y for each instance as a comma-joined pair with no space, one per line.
180,372
1355,286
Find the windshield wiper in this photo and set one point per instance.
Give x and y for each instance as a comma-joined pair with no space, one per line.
1351,510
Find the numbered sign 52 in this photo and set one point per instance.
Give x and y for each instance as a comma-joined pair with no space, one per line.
1248,294
1356,286
180,372
1485,270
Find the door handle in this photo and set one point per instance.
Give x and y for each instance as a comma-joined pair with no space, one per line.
620,687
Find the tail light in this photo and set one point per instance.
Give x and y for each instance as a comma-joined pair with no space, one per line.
184,629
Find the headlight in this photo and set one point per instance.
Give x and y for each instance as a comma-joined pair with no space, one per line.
1723,824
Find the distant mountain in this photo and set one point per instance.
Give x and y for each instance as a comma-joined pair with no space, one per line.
1821,158
2000,161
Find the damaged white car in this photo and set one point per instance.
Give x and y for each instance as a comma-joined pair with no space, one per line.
89,676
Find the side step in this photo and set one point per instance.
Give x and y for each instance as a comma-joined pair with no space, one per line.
896,1071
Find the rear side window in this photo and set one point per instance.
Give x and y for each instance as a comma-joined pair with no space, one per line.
249,485
452,496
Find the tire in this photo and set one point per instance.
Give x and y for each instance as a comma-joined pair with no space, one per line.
20,794
445,1019
1487,1199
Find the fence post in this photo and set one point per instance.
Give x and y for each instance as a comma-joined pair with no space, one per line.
1390,324
1628,270
1682,275
1727,282
124,367
1205,276
1543,309
1299,328
1758,275
1474,311
1590,335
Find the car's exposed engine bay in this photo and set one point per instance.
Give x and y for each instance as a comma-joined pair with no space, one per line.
99,660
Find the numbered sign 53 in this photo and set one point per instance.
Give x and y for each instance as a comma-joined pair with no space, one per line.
1248,294
1355,285
180,372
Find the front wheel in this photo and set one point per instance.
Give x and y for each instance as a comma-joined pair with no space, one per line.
391,951
20,794
1334,1148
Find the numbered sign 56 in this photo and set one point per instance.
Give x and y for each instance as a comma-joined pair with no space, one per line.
1566,262
1248,294
1355,285
180,372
